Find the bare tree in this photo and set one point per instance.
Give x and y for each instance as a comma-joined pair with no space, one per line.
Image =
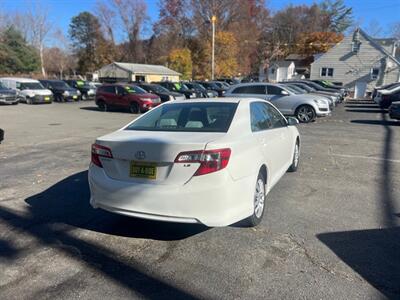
133,16
39,28
107,18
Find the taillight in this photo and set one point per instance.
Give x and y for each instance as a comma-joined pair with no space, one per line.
100,151
210,160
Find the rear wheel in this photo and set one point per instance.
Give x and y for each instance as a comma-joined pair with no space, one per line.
305,114
258,202
134,108
102,106
296,157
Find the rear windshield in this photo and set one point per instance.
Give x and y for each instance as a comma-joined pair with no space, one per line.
188,117
59,84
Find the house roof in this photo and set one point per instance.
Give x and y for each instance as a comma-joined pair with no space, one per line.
296,56
282,63
146,69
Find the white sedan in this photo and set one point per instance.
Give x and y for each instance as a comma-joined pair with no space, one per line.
195,161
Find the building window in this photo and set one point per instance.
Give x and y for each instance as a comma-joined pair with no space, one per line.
326,72
374,73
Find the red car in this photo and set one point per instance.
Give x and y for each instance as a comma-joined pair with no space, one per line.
125,96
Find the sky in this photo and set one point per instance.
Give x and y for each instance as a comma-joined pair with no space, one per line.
369,14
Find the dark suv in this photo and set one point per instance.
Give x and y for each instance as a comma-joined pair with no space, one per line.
61,91
87,91
125,96
8,96
179,88
160,91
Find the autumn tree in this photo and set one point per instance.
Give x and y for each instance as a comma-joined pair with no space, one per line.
180,60
317,42
226,51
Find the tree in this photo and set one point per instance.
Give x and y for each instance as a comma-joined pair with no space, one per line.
339,17
57,61
39,28
180,60
16,55
317,42
88,42
226,51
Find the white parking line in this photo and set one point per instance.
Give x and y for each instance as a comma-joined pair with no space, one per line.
366,157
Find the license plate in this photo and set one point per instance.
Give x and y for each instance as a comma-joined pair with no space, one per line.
143,170
74,97
46,98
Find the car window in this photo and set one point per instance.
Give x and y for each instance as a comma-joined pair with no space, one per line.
274,90
278,120
188,117
250,89
121,91
260,117
109,89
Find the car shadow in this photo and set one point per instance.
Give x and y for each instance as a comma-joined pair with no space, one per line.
374,254
377,122
373,110
113,109
68,202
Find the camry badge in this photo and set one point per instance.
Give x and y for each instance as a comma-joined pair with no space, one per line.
140,155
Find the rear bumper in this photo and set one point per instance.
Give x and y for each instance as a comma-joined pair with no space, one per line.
323,112
213,199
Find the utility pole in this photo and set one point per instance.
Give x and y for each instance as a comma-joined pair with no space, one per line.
213,19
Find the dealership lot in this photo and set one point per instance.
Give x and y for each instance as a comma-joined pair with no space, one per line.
330,230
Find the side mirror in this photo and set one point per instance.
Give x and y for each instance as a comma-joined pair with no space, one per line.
292,121
285,93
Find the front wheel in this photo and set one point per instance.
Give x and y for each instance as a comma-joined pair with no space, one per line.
258,202
134,108
296,157
305,114
102,106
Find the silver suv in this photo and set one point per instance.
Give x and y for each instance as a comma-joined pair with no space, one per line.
304,107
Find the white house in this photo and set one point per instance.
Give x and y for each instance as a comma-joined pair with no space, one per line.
278,71
118,71
359,62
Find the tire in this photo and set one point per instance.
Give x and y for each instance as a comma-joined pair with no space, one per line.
296,157
102,106
83,97
258,202
305,114
28,100
134,108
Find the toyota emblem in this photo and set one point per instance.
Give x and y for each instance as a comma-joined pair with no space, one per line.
140,155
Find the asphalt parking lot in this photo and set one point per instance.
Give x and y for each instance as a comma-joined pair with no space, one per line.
331,230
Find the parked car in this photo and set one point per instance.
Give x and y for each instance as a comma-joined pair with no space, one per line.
298,90
8,96
319,88
385,97
377,89
61,91
1,135
126,96
394,110
222,84
230,81
334,96
28,90
193,161
304,107
162,92
87,91
201,89
329,85
212,86
179,88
